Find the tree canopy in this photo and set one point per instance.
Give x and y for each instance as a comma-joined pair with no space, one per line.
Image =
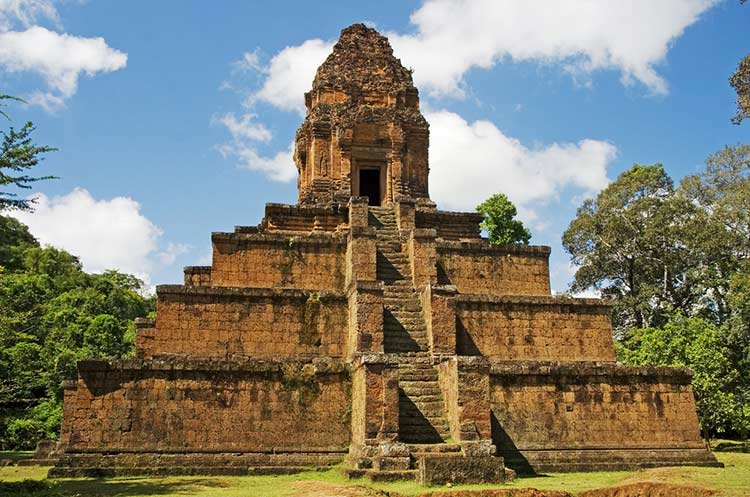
52,314
674,260
500,223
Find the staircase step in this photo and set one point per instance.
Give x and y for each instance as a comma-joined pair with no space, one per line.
434,448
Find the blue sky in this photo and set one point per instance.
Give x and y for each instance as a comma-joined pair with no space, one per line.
174,118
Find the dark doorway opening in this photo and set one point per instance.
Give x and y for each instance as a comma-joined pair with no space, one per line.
369,185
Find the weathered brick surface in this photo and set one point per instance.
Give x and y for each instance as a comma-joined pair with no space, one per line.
294,219
184,406
365,318
450,225
478,267
222,322
534,328
592,406
313,262
422,257
439,306
361,257
197,275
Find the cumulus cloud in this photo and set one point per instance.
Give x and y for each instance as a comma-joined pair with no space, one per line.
583,35
104,234
26,12
289,75
579,36
59,59
471,161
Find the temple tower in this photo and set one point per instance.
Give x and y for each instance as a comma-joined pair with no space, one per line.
365,327
363,134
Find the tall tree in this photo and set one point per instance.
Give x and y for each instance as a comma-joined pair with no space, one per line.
18,154
624,243
740,81
500,221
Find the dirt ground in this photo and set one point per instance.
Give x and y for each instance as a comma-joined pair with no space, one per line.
640,489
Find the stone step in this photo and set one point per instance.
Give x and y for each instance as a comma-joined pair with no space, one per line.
424,424
433,409
413,335
402,288
417,375
418,394
416,424
416,387
378,476
423,437
434,448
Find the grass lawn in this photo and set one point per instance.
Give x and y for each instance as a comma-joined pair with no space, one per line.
733,480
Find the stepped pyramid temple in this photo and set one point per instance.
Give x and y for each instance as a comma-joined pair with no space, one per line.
365,327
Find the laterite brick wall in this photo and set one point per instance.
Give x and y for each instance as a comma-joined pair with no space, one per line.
478,267
192,406
534,328
222,322
539,407
313,262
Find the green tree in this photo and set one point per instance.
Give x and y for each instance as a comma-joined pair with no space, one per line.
18,154
52,314
629,244
740,81
500,223
722,194
696,344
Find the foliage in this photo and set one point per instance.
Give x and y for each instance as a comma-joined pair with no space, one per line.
697,344
665,255
623,244
18,154
740,81
500,223
52,314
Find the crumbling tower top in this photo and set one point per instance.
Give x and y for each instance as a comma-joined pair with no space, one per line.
363,134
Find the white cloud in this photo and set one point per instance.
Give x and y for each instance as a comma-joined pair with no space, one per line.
26,12
582,35
59,59
245,127
290,74
471,161
168,256
104,234
280,167
246,133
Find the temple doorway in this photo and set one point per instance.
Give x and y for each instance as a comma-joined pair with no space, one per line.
369,185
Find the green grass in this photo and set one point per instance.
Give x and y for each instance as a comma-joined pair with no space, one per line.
733,480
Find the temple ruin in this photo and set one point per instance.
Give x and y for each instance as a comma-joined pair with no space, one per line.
365,327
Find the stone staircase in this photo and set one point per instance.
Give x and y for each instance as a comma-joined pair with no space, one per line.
403,325
421,409
421,418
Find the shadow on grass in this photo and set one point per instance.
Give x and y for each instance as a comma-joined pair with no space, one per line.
102,487
743,447
15,455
